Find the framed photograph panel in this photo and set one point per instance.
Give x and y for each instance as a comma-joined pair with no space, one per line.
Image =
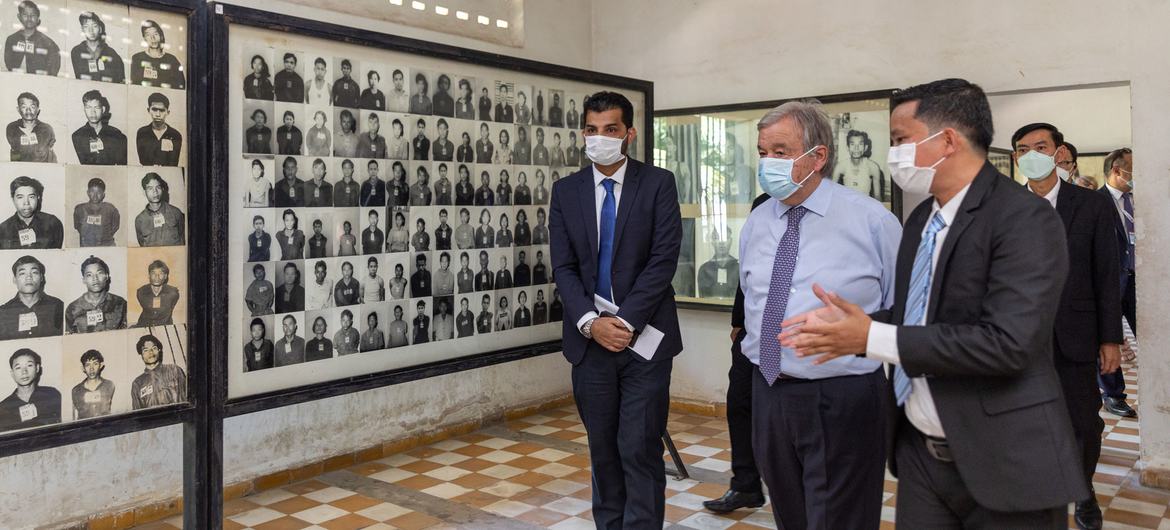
434,248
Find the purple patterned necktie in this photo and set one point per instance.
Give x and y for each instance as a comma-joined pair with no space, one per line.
778,291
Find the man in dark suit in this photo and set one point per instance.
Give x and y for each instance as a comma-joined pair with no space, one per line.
1119,189
983,438
615,237
745,490
1088,322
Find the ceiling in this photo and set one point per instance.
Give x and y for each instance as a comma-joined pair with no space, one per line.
1093,119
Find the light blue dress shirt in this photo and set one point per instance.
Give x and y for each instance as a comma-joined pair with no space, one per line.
848,245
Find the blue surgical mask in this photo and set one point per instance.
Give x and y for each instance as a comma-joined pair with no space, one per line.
775,176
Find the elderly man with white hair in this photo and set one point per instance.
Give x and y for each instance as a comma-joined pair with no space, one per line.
817,429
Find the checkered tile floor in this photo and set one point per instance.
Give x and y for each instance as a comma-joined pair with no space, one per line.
534,473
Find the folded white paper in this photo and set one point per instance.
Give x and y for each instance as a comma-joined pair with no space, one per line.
648,339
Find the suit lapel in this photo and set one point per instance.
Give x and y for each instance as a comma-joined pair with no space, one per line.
980,187
1066,205
586,199
911,238
630,185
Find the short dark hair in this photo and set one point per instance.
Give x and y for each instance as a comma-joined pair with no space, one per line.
23,181
1057,136
162,38
145,339
158,264
955,103
158,97
94,260
347,313
96,183
26,260
1072,150
1112,158
24,352
28,95
290,55
603,101
92,355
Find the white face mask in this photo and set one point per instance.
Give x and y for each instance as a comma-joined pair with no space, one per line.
904,172
1063,174
604,150
1036,165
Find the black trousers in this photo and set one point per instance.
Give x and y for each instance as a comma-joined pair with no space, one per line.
820,446
623,403
1079,381
931,494
744,475
1113,385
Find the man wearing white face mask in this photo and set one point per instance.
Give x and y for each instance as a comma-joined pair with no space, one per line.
1087,334
818,432
981,435
615,232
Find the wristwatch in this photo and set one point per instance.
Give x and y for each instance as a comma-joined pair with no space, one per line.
587,328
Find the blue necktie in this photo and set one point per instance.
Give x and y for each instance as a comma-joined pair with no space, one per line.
918,296
605,242
778,290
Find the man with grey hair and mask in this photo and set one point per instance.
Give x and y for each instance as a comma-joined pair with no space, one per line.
818,431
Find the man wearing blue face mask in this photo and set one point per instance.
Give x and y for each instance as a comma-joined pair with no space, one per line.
1087,334
615,233
981,437
817,430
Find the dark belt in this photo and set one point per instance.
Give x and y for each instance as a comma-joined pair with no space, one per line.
936,447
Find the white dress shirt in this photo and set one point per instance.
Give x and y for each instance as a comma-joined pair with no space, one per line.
882,343
318,295
619,177
1051,195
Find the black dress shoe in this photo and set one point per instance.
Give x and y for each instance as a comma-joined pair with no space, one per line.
1119,407
733,500
1088,515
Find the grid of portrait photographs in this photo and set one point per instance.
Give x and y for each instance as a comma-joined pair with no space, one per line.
93,321
392,209
712,157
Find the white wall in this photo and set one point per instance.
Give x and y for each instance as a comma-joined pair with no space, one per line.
704,53
144,467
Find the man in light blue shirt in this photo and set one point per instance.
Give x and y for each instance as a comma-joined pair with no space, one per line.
818,430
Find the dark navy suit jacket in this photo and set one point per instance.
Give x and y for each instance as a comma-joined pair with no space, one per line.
646,242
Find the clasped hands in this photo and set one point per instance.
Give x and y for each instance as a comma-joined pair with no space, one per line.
838,329
611,333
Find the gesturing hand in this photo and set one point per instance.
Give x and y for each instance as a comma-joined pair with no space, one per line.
611,334
838,329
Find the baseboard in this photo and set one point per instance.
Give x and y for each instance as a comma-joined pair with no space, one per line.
701,408
1154,477
127,517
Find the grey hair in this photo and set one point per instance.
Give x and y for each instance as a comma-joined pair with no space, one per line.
814,123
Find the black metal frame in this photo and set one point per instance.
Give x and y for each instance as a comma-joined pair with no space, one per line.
895,197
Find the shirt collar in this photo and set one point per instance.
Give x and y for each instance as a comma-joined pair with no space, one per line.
1116,193
618,176
952,207
1051,195
817,202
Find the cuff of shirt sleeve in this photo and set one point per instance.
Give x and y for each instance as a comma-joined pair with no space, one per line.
586,318
882,343
627,324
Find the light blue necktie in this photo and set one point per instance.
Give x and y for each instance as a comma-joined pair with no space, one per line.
918,296
605,242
